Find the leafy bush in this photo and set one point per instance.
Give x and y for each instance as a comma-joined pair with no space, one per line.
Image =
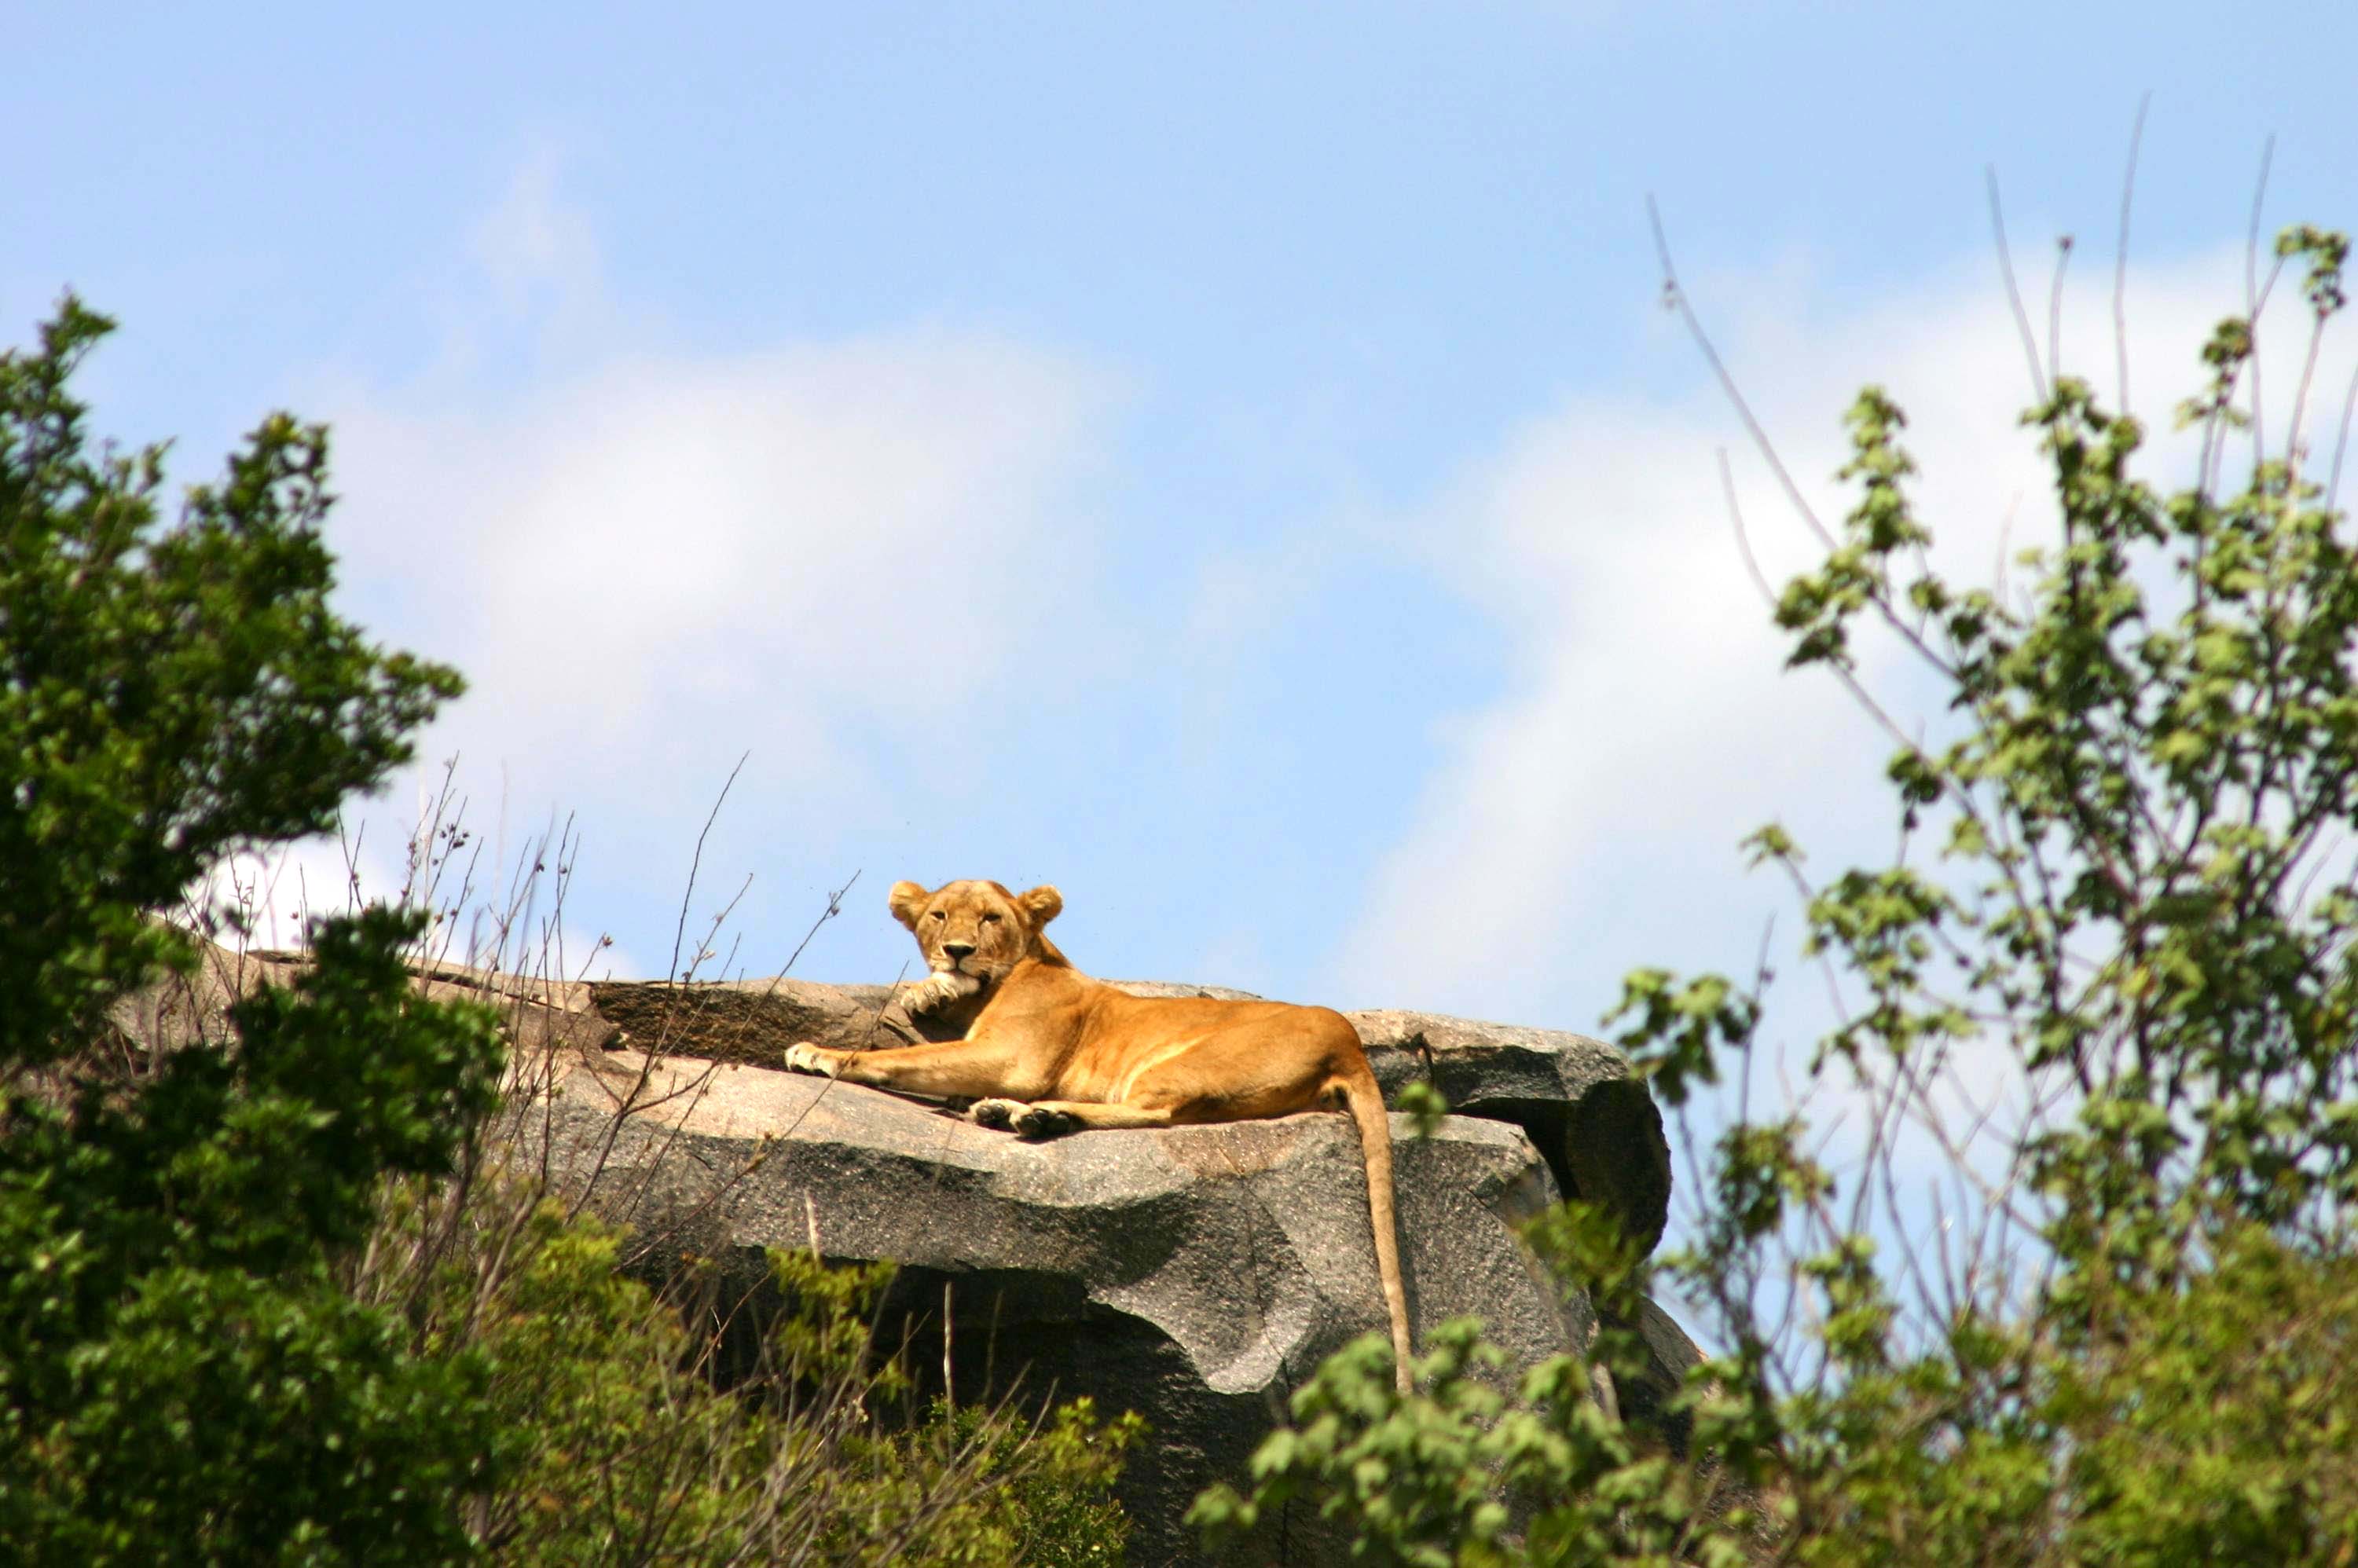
2127,1336
166,694
1053,1506
279,1300
1465,1471
617,1447
180,1375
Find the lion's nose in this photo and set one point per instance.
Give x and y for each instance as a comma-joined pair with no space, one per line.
957,949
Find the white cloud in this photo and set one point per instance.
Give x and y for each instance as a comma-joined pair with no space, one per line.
1585,821
651,562
754,538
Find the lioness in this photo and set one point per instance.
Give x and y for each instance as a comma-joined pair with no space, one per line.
1054,1051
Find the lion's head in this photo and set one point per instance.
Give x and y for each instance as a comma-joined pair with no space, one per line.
973,932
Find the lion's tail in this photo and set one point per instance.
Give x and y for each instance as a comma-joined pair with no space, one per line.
1367,1104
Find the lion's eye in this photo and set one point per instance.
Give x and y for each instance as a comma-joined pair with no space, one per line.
940,915
991,920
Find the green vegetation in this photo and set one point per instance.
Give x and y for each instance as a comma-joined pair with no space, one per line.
2128,1336
279,1302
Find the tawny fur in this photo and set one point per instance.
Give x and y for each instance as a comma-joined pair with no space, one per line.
1053,1050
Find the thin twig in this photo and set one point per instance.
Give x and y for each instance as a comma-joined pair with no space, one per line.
834,907
1676,297
2253,298
2121,256
680,929
2055,313
2013,293
949,1383
1743,541
2295,449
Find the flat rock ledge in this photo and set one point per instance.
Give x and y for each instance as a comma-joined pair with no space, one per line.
1595,1125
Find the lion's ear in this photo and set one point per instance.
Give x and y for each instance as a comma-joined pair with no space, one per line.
907,902
1042,903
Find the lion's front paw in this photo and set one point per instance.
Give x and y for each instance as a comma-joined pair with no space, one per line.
1037,1121
936,990
806,1057
998,1113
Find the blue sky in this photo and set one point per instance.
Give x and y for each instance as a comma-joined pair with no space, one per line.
1228,461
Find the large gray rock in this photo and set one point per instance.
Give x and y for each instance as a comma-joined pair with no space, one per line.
1596,1127
1195,1274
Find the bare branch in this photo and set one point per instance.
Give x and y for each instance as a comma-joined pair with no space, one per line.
2055,312
2295,449
1743,541
679,930
2121,254
2253,296
2013,293
1676,297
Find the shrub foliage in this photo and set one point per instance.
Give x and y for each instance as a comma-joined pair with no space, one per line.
280,1301
2126,893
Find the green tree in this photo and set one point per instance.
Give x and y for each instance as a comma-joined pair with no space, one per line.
168,695
280,1301
181,1376
2134,1343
